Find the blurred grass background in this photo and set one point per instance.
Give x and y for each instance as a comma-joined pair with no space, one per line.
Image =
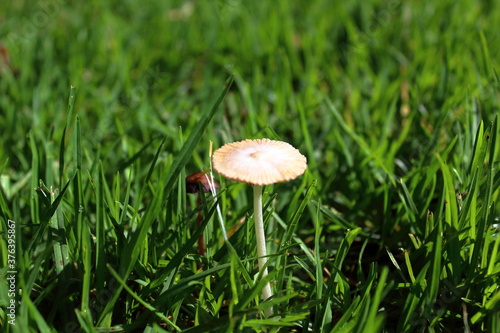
394,103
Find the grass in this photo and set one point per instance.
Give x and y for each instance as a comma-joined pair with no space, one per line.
107,107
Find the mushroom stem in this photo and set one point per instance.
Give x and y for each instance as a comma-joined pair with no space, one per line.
201,239
261,242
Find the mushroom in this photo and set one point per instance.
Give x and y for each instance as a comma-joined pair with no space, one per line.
196,178
259,162
193,183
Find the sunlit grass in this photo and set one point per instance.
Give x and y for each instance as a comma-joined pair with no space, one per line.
107,107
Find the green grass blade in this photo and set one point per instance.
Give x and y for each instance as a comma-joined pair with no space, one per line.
66,130
138,299
184,154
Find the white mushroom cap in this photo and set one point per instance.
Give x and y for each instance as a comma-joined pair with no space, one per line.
259,162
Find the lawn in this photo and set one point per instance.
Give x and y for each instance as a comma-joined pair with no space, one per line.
107,107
